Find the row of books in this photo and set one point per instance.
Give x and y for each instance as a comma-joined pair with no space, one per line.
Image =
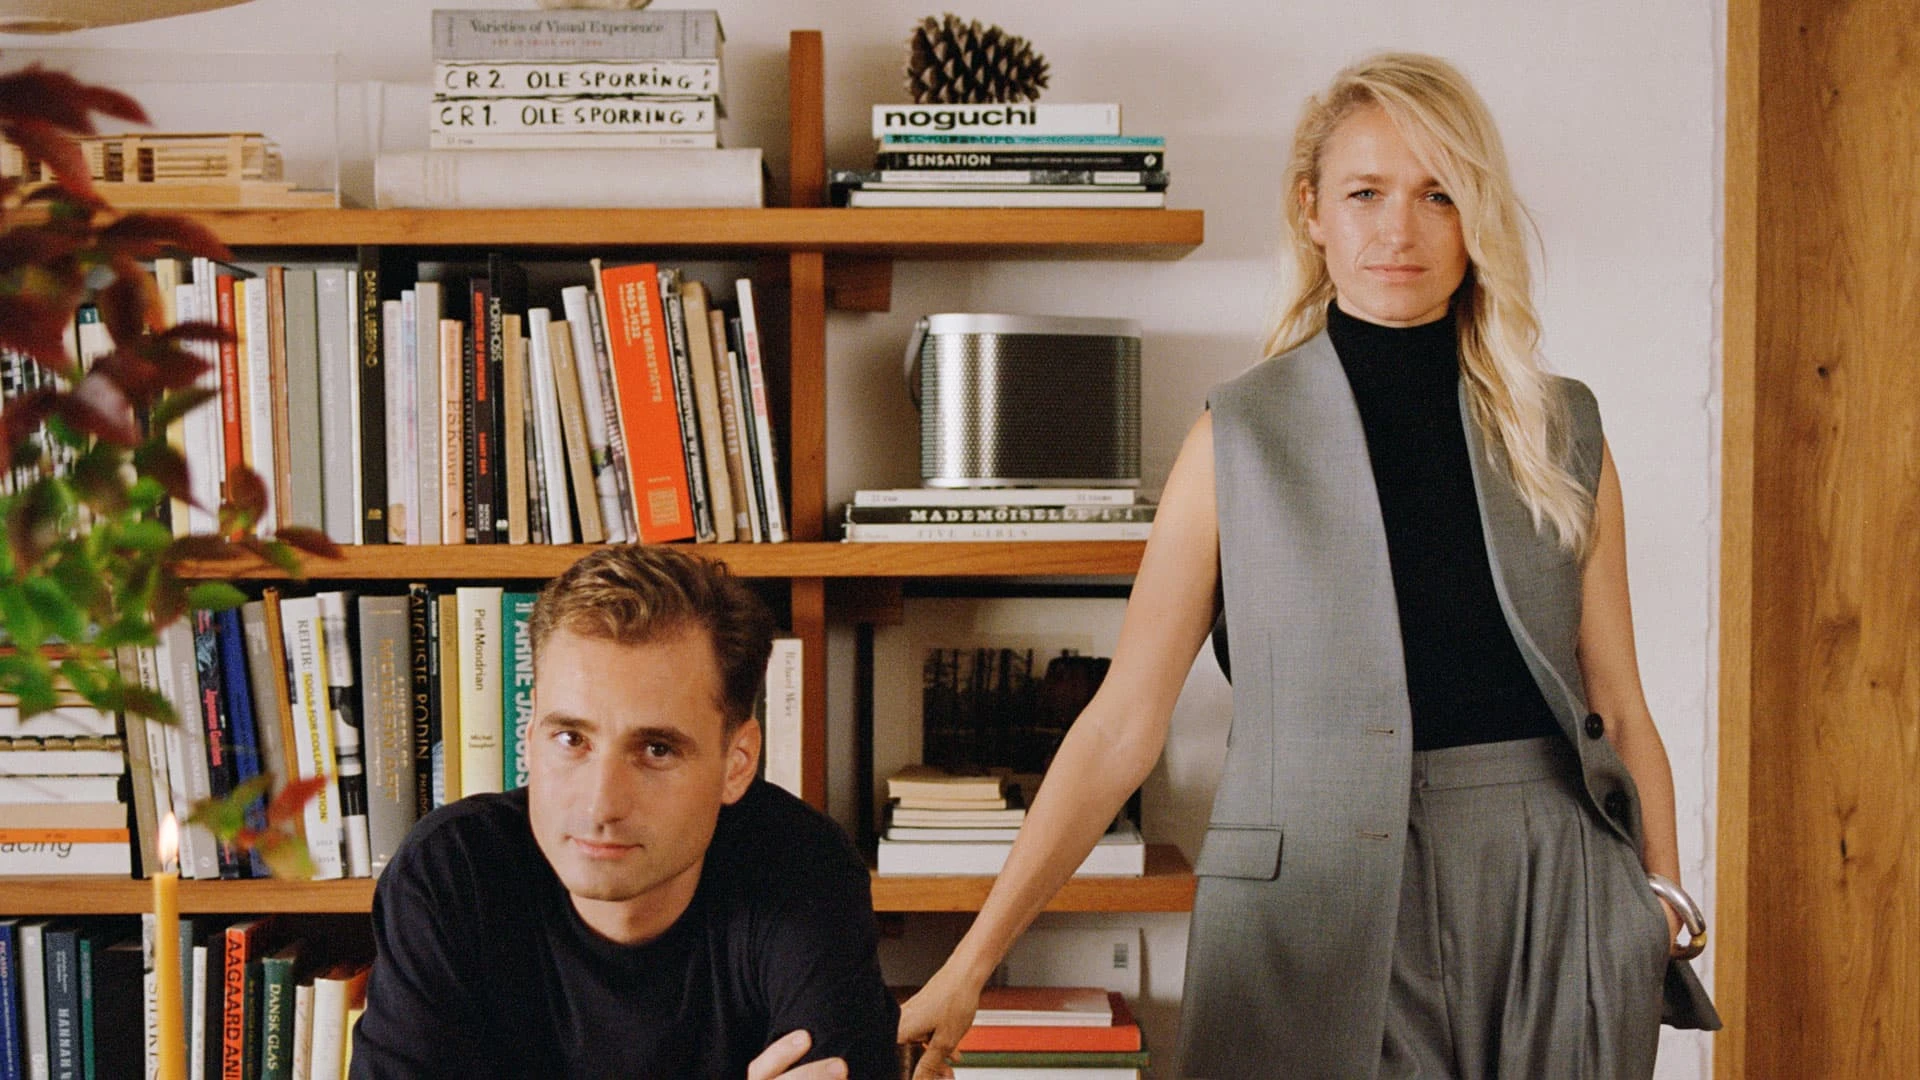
77,999
922,515
1007,155
461,412
940,822
1051,1033
547,80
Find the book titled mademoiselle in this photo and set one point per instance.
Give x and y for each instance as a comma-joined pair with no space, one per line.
1000,119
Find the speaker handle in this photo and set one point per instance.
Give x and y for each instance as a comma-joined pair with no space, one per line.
910,364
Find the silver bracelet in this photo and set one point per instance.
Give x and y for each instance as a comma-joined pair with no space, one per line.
1690,914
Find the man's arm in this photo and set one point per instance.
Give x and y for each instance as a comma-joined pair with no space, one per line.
820,969
420,1019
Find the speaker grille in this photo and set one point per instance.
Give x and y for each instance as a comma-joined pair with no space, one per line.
1013,408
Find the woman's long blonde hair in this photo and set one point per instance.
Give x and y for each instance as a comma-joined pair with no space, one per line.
1449,129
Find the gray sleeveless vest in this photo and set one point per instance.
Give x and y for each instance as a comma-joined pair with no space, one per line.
1293,926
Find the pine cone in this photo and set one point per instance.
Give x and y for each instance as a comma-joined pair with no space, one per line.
954,63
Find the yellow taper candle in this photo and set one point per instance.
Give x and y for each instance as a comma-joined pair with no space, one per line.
172,1043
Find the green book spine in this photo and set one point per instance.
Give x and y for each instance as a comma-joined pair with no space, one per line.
276,1018
516,684
88,1066
1051,1059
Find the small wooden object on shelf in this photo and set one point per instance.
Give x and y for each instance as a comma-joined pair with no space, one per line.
179,170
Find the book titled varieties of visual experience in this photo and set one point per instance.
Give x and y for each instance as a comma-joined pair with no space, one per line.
576,35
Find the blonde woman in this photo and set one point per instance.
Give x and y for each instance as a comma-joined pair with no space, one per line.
1444,840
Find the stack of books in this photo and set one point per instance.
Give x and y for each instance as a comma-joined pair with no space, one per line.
1068,155
635,96
919,515
63,803
943,823
1051,1033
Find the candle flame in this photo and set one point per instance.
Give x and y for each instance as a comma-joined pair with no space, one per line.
169,842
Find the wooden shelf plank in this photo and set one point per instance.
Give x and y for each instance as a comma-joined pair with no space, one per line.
826,559
907,234
1168,886
125,896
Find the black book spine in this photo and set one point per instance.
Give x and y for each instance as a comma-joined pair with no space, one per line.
750,423
420,695
373,404
1020,159
680,362
508,297
222,774
482,446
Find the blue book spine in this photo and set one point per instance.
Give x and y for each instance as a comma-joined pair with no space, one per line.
218,723
63,1002
246,739
89,1067
11,1048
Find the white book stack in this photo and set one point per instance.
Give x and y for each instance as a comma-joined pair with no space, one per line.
946,823
613,88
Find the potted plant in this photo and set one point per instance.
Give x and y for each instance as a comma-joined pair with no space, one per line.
88,567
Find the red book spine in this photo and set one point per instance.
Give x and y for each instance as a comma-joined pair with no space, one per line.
649,417
231,419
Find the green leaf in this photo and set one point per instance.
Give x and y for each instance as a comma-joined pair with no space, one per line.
178,404
86,582
137,700
146,495
89,678
215,596
55,608
226,815
130,630
286,855
19,620
150,537
276,553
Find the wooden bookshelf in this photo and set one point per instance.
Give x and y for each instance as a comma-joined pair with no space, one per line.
905,234
819,559
127,896
1168,885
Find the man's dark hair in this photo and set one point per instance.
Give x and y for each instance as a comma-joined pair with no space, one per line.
632,594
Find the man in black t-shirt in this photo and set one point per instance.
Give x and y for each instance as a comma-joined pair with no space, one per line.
644,907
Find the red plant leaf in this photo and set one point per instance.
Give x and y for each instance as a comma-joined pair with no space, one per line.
24,415
40,244
167,467
37,325
201,548
136,376
246,492
99,408
46,143
311,541
130,306
31,522
146,236
286,807
194,331
59,99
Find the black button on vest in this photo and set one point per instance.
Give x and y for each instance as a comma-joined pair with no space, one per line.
1596,727
1616,808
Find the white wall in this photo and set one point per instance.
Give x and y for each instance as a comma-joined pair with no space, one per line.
1611,116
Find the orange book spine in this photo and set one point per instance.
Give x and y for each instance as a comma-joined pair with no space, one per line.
65,836
1122,1036
233,427
637,348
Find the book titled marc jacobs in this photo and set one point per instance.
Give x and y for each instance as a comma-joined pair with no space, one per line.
1002,119
574,116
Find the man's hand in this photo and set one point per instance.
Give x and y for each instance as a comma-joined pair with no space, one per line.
939,1014
776,1061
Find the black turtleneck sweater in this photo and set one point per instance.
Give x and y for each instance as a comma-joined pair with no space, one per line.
1465,676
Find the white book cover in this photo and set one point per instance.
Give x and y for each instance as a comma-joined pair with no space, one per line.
995,497
67,720
573,428
533,78
398,381
408,385
197,1033
429,306
260,452
546,406
984,533
25,859
303,1031
738,433
706,397
482,757
1030,118
62,763
482,34
202,426
343,707
785,705
159,762
626,114
574,140
578,301
339,428
1090,199
453,462
610,402
186,749
41,790
313,731
482,179
1120,853
762,415
31,942
355,445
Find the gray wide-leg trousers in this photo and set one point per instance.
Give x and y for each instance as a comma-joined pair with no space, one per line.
1529,945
